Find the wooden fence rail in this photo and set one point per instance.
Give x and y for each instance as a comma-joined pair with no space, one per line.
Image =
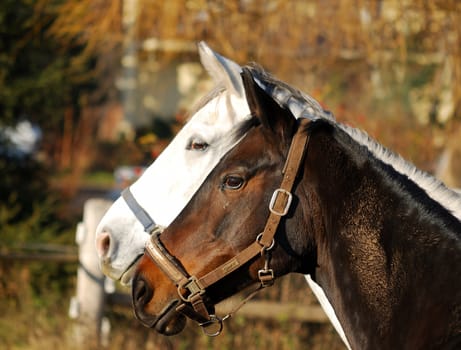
34,256
94,292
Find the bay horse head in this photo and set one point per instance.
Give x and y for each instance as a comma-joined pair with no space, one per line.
156,299
320,198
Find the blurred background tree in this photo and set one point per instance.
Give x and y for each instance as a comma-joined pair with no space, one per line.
38,84
290,38
395,62
386,60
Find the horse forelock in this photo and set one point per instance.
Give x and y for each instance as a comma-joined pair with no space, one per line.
434,188
300,104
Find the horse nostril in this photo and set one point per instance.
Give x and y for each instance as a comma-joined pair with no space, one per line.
103,244
142,293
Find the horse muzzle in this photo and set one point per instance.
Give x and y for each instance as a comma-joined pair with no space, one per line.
167,322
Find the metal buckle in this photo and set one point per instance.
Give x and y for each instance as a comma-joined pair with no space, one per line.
193,287
274,199
266,277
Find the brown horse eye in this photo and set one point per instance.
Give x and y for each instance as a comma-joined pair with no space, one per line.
233,182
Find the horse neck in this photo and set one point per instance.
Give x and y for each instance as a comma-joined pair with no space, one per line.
363,260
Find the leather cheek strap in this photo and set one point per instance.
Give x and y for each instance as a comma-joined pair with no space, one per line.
191,289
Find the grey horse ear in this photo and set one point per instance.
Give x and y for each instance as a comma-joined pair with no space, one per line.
222,70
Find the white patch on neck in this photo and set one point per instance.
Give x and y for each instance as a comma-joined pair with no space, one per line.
448,198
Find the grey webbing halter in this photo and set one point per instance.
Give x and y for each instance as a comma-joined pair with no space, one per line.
142,215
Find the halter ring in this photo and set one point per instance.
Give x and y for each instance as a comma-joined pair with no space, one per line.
264,248
214,321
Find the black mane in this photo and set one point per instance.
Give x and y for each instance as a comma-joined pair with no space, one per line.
407,188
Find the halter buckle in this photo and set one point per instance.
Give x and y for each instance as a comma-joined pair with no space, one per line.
266,277
266,274
193,286
274,199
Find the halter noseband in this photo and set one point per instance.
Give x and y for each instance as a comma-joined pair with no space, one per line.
191,289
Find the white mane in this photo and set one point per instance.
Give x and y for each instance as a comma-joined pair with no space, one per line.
301,105
304,106
447,197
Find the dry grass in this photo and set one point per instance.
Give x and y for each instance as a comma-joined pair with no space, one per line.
33,323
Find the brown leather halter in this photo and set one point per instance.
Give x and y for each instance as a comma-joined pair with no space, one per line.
191,289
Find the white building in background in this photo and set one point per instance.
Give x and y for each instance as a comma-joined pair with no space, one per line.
161,89
154,88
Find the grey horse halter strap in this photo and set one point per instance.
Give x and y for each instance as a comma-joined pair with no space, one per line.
142,215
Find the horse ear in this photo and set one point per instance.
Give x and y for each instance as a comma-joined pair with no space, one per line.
222,70
265,108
